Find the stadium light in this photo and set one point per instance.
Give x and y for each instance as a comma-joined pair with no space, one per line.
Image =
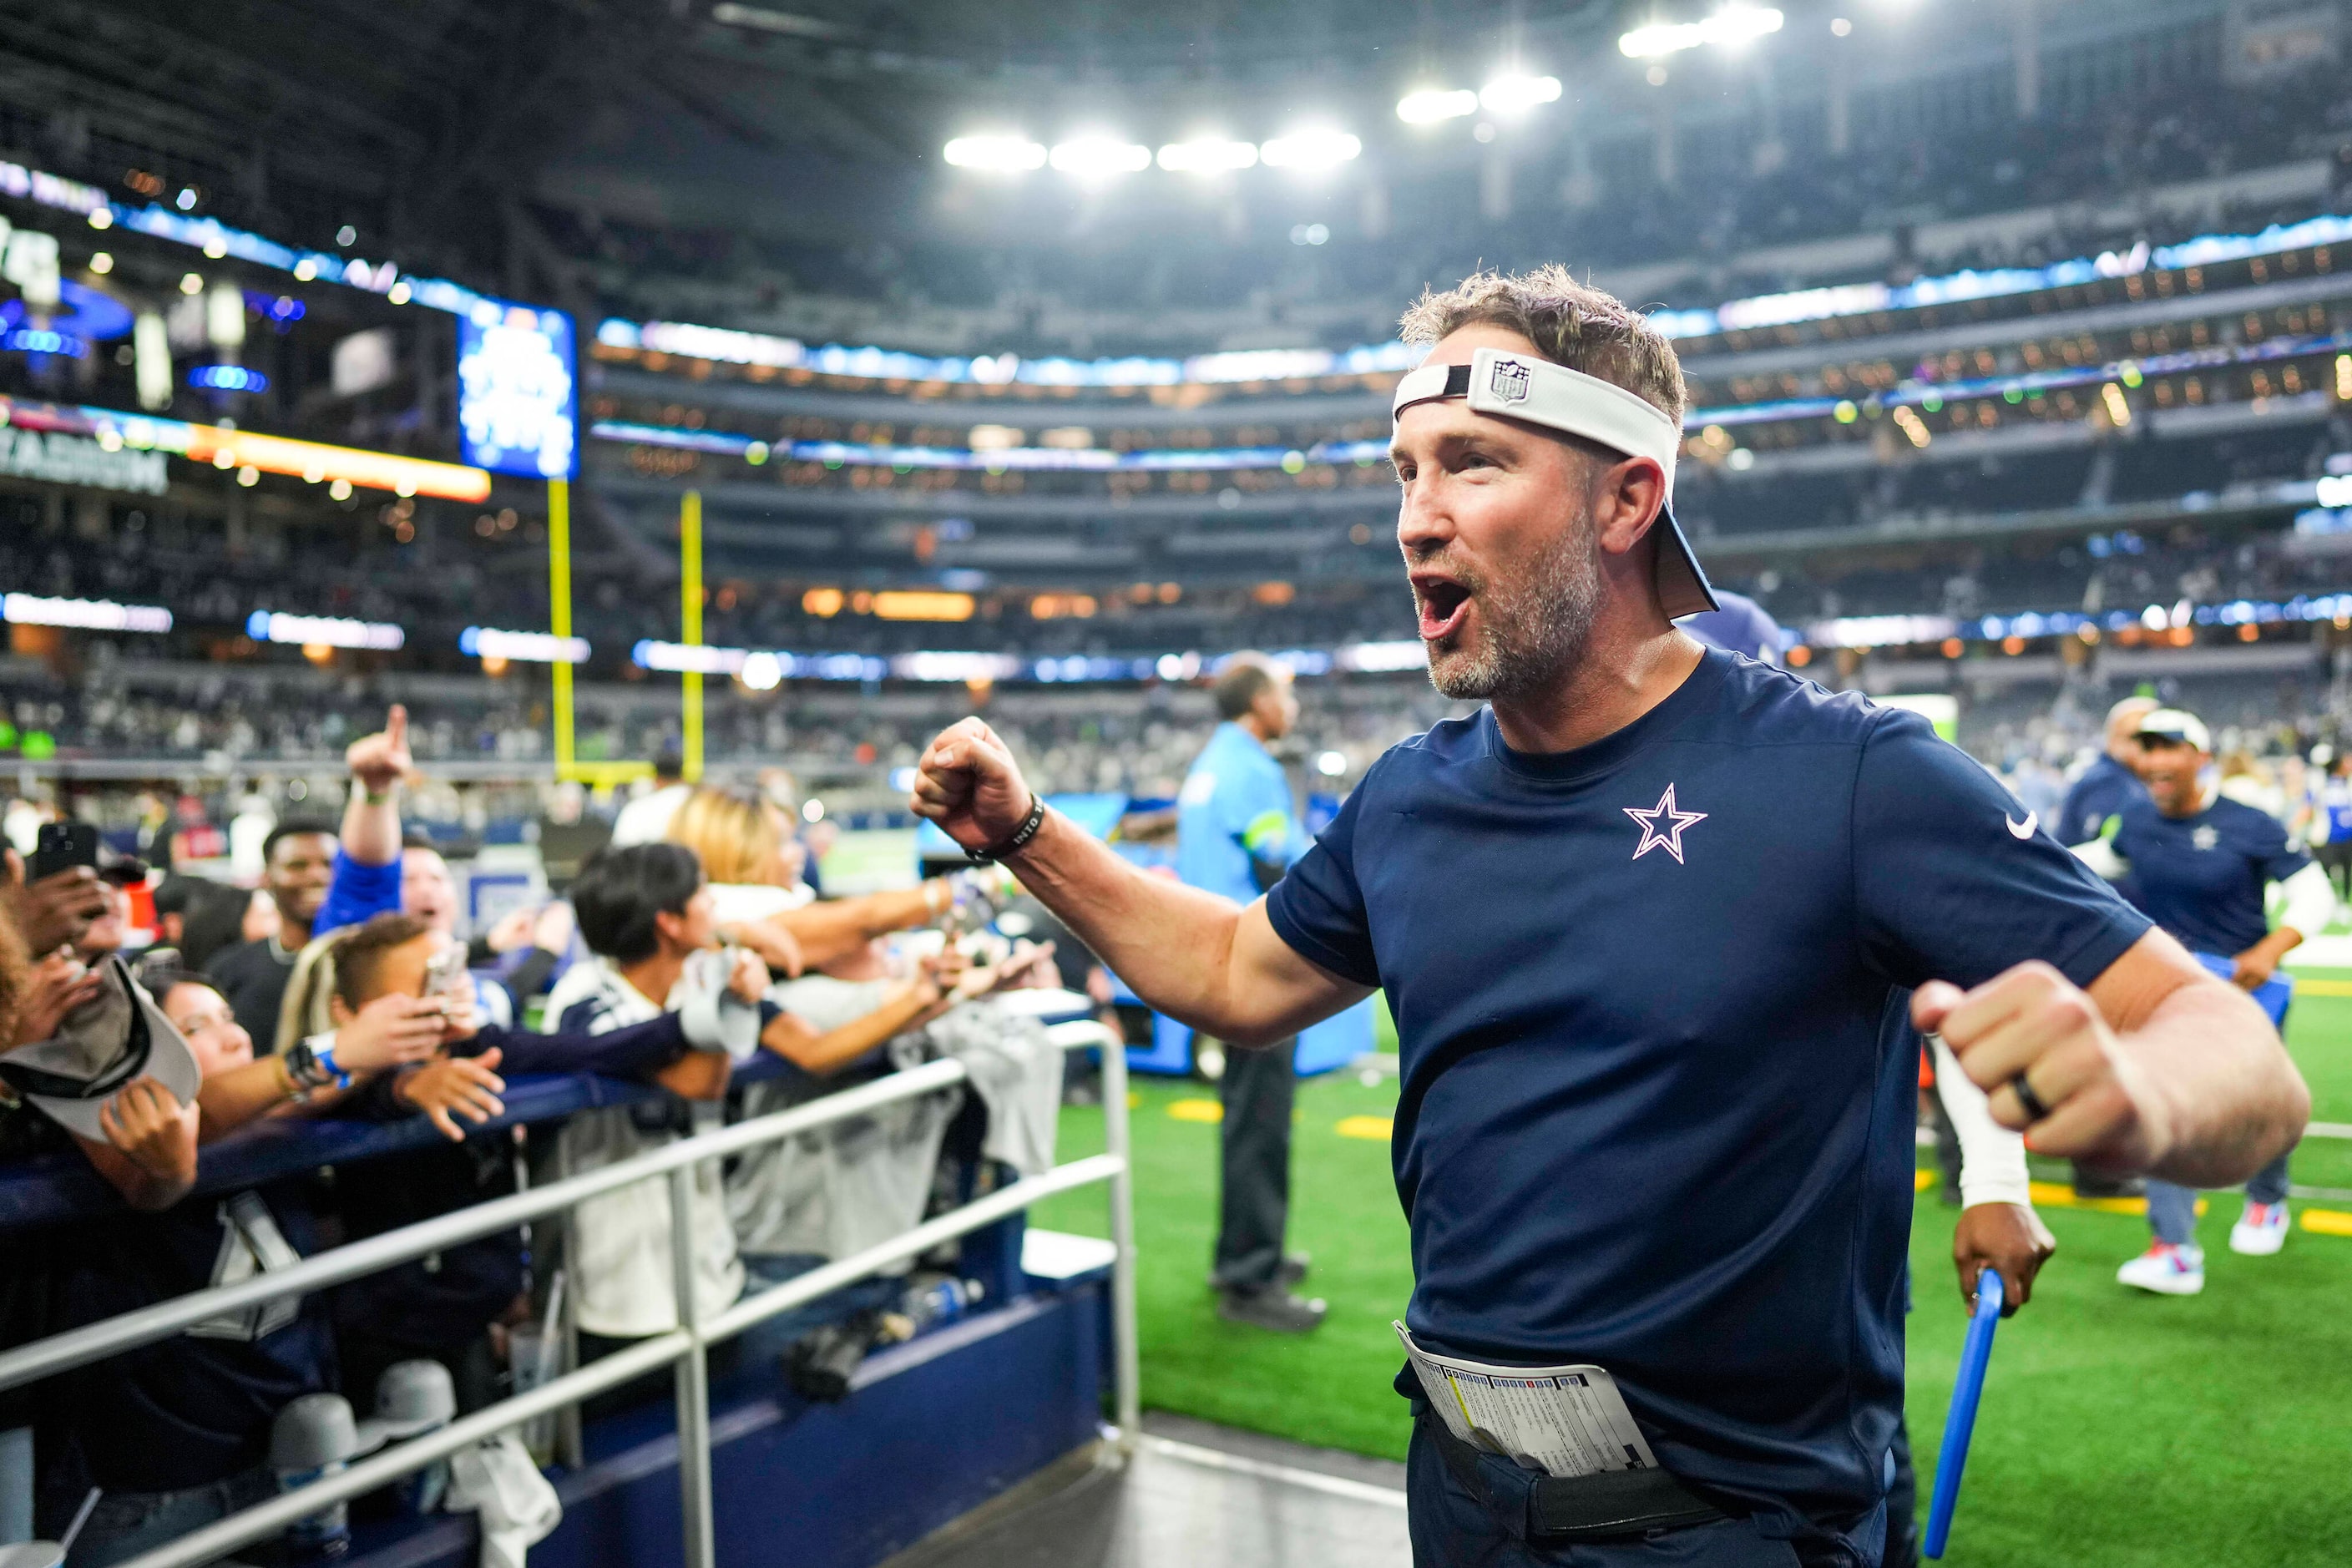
1430,105
917,605
92,614
327,631
1732,25
761,672
531,648
1207,155
1507,93
1094,156
1310,150
996,154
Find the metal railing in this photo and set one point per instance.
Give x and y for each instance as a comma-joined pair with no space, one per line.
683,1348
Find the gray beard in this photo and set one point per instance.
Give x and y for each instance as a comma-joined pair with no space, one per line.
1530,632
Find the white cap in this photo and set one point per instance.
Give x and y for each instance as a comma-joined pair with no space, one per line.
117,1036
2177,725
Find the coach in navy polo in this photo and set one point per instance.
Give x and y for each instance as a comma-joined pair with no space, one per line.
1646,921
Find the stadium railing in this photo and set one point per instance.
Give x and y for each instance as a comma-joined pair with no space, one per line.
683,1348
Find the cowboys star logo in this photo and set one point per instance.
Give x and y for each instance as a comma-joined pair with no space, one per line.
1509,381
1663,825
2205,838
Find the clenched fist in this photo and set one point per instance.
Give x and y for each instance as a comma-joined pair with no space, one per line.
2008,1239
2038,1047
969,783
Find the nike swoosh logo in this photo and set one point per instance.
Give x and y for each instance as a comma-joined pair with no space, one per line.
2021,831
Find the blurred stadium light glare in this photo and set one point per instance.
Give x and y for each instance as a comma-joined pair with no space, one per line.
1430,105
1099,155
996,153
1507,93
1732,25
1207,155
1310,150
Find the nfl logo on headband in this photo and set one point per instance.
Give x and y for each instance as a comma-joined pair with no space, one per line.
1510,383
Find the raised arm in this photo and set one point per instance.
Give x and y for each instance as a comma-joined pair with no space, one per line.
1201,960
2159,1066
371,834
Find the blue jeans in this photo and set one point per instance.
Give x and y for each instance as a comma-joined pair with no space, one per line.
1451,1527
2172,1210
125,1524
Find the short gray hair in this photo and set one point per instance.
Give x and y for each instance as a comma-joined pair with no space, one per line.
1569,323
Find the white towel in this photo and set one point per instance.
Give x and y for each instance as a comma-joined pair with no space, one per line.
518,1505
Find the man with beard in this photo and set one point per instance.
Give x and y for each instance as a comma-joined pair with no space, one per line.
1645,922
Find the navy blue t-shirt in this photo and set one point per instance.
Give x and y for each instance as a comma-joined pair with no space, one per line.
2201,878
1654,1113
196,1408
1739,625
2106,787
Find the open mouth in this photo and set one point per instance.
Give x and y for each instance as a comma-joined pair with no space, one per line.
1442,604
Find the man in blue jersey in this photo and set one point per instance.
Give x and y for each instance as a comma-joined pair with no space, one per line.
2112,781
2200,865
1235,836
1644,920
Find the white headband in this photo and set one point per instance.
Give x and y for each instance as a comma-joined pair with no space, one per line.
1523,386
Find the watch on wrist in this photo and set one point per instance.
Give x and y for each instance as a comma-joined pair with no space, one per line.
312,1063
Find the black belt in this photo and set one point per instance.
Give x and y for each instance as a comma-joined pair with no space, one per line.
1598,1507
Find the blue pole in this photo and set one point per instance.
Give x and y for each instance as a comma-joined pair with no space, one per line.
1975,1353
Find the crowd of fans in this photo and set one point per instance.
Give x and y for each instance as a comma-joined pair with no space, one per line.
123,700
146,1016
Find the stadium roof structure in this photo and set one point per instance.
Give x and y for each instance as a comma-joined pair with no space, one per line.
503,146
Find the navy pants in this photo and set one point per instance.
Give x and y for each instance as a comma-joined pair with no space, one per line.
1253,1188
1451,1528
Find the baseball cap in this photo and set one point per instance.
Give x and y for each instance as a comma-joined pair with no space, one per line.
117,1035
411,1396
1544,391
2176,725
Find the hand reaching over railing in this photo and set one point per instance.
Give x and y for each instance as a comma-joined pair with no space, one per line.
393,1031
454,1087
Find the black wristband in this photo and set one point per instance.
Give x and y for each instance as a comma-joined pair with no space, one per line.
1014,842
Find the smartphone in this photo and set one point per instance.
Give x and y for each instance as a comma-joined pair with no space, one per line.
445,973
61,846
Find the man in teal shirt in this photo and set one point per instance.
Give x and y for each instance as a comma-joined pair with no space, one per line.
1236,835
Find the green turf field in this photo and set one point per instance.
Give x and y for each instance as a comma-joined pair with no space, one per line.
2117,1429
